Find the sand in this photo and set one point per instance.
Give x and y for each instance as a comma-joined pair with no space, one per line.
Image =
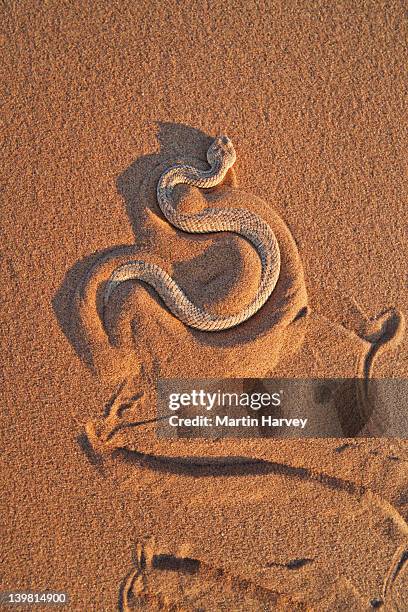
99,98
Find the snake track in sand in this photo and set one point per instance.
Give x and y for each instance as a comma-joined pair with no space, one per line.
221,156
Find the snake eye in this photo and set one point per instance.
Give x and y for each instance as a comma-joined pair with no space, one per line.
225,140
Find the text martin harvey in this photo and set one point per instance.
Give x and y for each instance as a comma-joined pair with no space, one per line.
226,421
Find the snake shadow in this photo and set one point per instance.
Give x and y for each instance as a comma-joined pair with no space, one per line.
175,140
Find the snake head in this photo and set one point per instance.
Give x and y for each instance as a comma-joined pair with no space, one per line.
222,150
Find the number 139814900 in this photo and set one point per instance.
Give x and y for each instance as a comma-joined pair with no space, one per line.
33,597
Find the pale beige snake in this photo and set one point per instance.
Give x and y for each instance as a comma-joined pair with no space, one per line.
221,156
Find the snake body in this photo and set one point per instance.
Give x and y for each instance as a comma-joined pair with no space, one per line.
221,156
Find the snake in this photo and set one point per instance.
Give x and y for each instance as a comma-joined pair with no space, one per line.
221,156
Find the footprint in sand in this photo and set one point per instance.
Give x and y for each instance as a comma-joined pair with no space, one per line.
166,581
179,583
269,540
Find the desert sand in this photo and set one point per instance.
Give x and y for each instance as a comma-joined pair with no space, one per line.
99,99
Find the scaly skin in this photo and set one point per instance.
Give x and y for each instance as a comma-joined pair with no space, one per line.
221,156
